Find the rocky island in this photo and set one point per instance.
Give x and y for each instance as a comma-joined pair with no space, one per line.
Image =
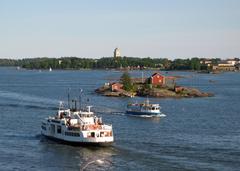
155,86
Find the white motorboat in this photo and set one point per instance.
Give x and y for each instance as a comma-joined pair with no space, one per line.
144,109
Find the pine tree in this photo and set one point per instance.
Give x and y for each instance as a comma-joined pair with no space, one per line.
126,81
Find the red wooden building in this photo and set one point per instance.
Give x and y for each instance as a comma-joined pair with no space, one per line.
157,79
116,86
178,89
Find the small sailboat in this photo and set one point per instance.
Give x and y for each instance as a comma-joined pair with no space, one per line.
50,69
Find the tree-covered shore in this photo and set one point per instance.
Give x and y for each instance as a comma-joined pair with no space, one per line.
107,63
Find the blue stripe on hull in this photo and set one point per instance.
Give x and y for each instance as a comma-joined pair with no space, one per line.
141,113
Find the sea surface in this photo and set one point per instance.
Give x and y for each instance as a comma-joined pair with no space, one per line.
196,134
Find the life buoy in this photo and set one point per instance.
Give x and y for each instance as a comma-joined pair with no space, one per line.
95,126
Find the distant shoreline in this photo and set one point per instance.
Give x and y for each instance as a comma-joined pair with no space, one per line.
200,65
104,69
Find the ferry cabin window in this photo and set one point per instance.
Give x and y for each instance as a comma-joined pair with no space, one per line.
59,130
52,129
74,134
92,134
43,127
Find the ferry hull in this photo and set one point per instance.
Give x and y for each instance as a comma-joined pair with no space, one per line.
138,113
74,143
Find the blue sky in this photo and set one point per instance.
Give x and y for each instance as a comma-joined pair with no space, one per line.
155,28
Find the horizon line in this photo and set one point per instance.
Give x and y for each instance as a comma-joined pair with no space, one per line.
170,58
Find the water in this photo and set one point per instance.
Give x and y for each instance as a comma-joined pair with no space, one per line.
197,133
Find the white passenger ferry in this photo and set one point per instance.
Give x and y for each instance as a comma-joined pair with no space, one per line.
144,109
77,127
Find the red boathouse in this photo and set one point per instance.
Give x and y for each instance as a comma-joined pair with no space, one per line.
157,79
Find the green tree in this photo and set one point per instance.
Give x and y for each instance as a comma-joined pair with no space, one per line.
195,64
126,81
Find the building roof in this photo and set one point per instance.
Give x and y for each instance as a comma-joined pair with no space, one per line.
116,83
223,62
156,73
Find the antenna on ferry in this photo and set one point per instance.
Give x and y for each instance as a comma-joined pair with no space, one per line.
80,98
147,101
68,98
75,104
60,105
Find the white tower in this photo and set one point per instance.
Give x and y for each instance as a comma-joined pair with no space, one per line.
116,53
